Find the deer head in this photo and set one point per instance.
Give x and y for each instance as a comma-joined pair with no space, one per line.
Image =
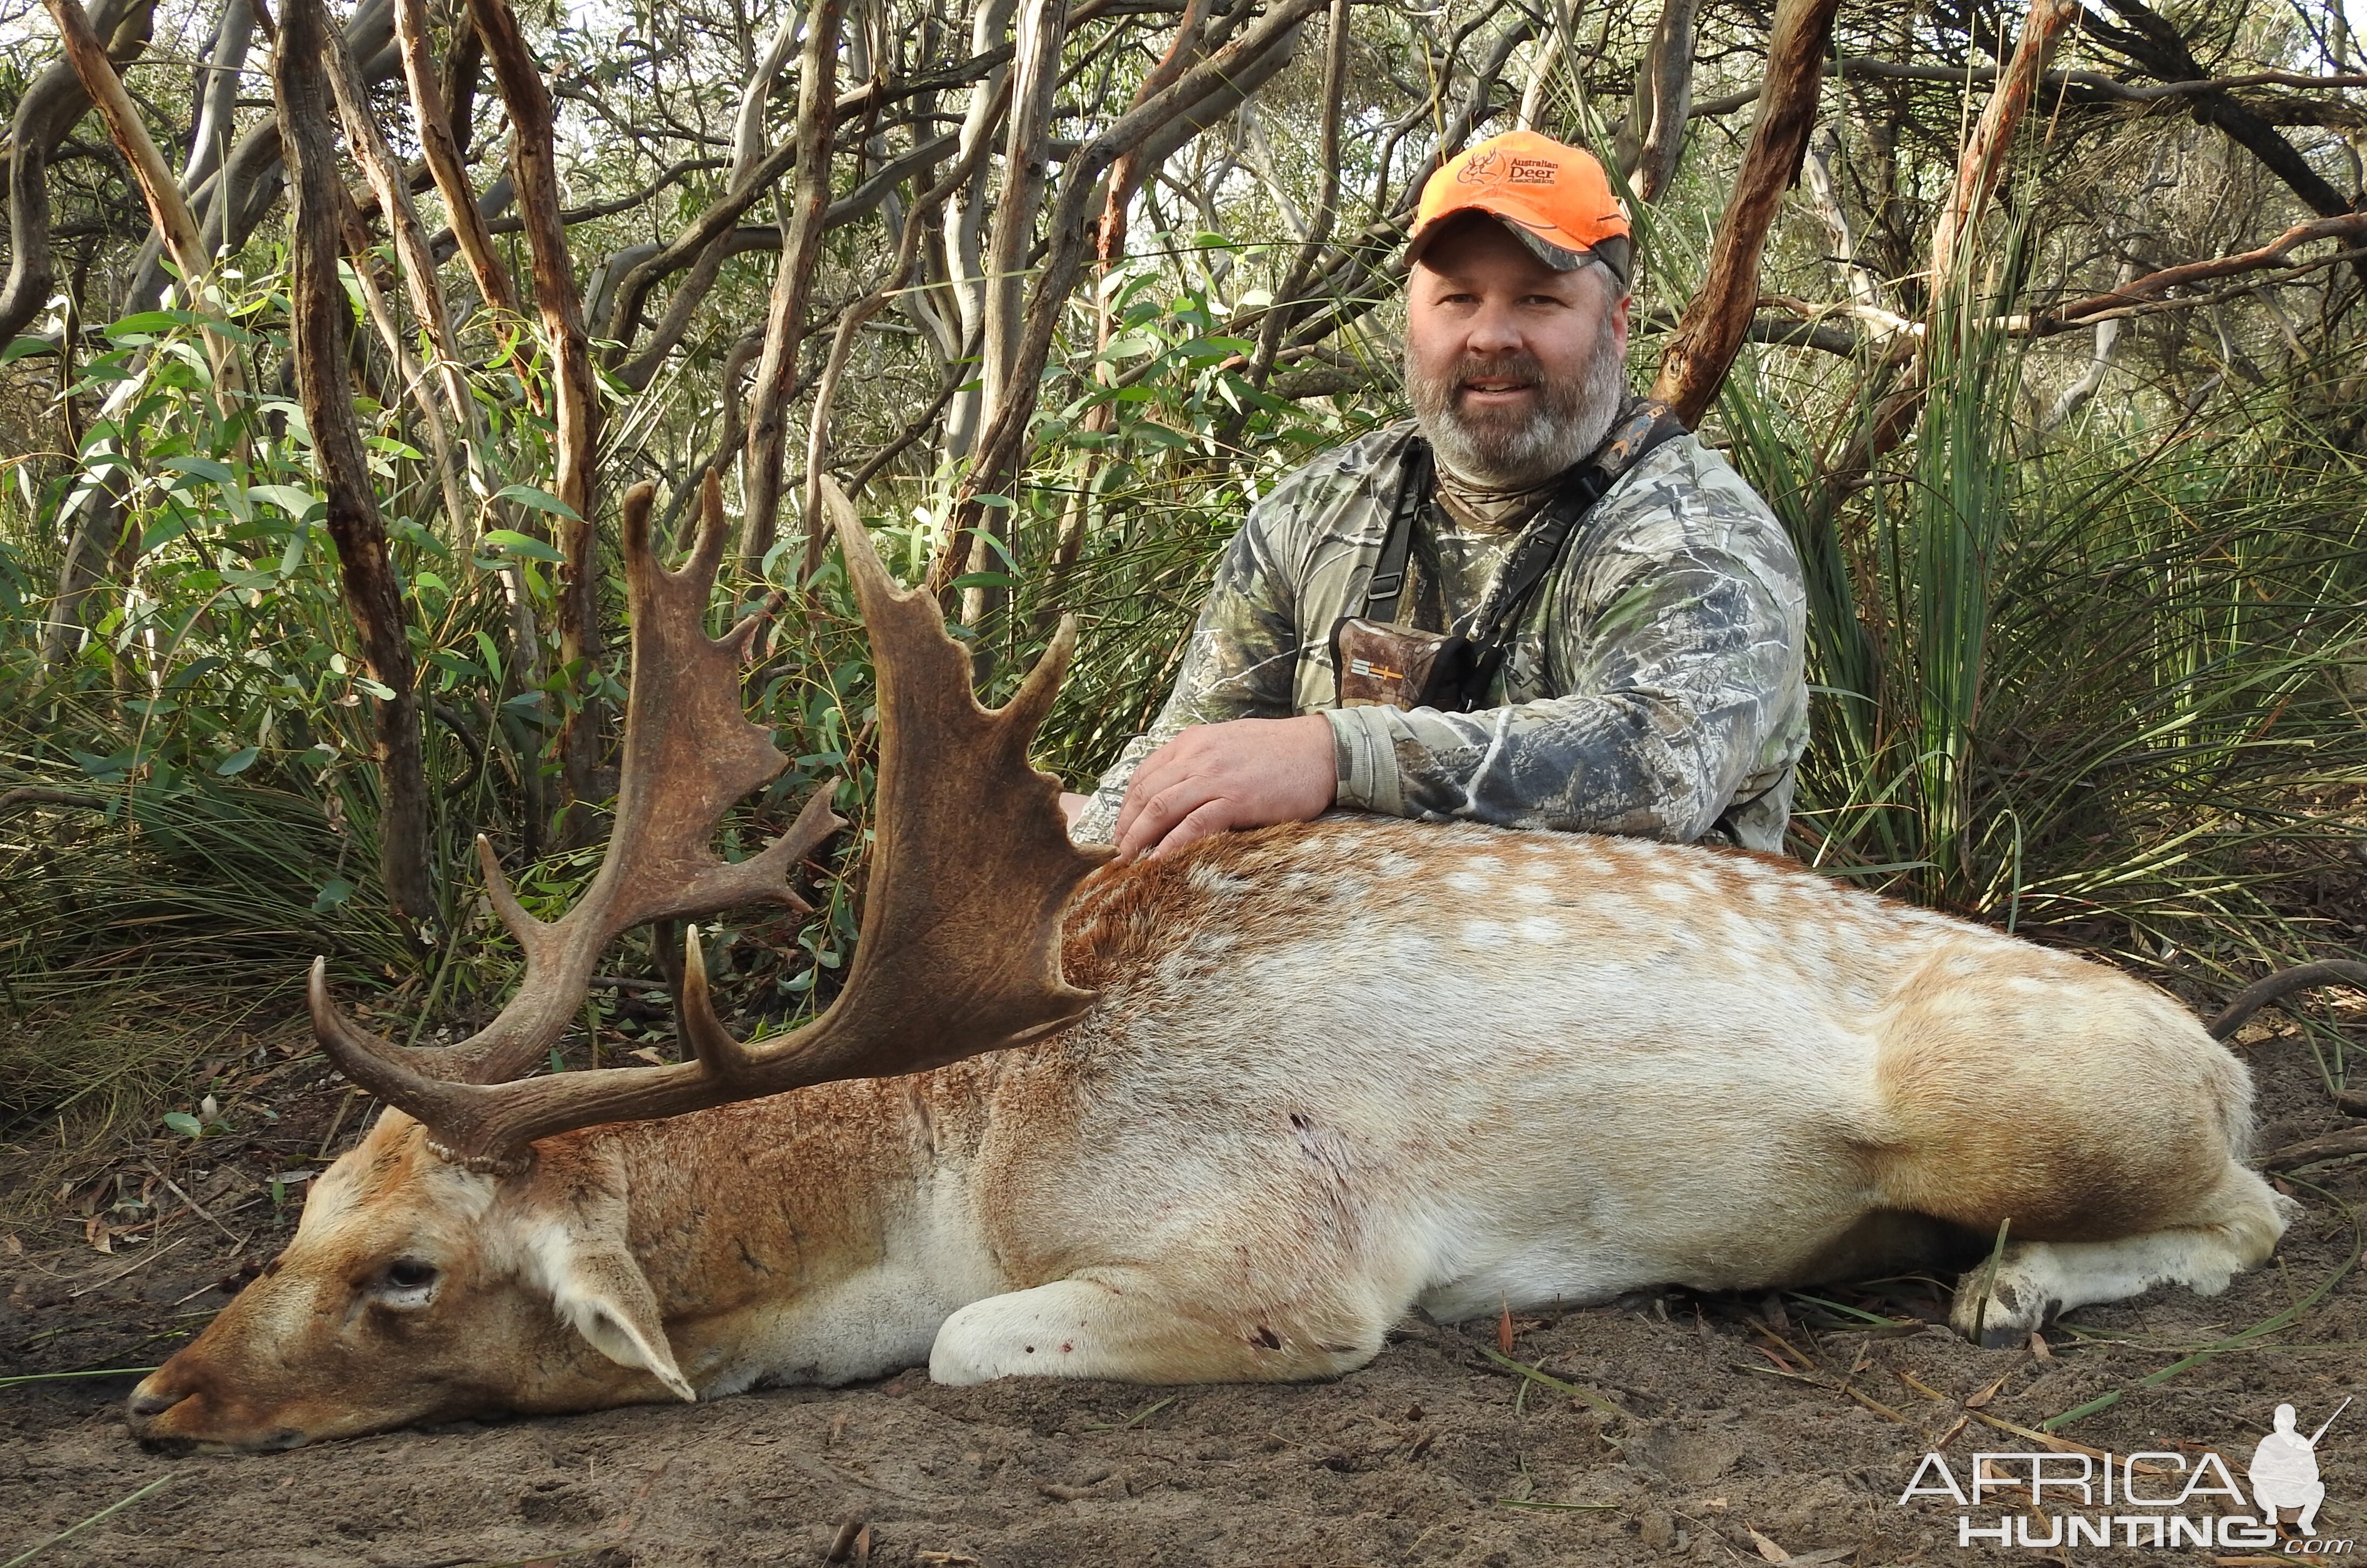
470,1254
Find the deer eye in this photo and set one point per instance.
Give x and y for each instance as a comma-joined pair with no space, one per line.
408,1282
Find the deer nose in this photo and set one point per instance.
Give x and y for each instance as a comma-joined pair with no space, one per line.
146,1405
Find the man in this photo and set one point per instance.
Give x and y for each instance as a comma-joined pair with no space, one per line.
1651,681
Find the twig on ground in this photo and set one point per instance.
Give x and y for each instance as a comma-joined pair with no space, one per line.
195,1207
2310,1151
150,1255
337,1121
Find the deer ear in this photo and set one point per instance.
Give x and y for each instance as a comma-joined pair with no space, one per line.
598,1288
604,1294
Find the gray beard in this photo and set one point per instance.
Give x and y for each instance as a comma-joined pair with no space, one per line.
1516,451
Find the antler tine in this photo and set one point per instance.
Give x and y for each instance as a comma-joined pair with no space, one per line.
960,946
689,753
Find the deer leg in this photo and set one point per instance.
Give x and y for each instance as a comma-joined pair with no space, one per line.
1134,1326
2237,1227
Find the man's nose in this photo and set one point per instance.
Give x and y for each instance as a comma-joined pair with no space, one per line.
1494,330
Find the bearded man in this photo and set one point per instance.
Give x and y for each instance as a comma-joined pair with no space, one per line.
1611,619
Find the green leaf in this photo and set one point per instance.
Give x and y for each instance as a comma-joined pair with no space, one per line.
238,761
540,500
1128,344
382,692
294,500
148,320
510,541
202,468
25,346
185,1124
493,654
164,531
333,891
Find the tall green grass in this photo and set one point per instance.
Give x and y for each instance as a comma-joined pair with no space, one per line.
2105,689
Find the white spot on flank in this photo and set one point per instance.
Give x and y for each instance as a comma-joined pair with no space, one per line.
1538,930
1535,892
1483,933
1464,881
1486,863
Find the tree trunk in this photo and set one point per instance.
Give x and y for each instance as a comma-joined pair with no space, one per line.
1712,331
1664,96
321,321
575,408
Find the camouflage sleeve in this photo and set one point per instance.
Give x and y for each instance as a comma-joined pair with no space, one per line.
1679,646
1243,656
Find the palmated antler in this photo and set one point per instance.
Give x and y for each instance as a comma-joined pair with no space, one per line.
690,753
960,952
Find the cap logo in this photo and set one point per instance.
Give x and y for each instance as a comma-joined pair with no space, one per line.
1531,171
1476,170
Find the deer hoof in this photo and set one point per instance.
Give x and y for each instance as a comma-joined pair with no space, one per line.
2001,1315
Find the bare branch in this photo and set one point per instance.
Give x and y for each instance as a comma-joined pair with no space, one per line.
1712,331
800,252
442,151
1983,159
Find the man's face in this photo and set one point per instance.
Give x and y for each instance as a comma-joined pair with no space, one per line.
1515,371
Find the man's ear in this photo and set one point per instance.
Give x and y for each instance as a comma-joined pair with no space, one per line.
596,1286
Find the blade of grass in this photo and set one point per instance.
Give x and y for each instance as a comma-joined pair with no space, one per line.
71,1530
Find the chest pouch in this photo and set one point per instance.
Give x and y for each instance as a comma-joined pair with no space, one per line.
1380,663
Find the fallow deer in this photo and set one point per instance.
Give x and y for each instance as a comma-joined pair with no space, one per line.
1228,1115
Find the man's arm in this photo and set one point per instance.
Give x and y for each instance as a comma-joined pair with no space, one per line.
1242,663
1684,687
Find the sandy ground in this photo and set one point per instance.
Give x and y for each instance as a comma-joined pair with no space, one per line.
1673,1428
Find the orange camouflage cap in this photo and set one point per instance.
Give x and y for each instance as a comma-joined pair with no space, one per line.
1554,199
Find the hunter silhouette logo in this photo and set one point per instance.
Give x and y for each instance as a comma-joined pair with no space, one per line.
2284,1471
2156,1498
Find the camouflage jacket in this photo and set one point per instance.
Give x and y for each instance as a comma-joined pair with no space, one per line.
1654,686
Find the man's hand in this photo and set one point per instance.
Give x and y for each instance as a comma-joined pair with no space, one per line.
1245,773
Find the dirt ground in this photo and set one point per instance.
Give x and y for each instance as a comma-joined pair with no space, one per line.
1670,1428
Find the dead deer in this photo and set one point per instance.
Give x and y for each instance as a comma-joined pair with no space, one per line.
1227,1116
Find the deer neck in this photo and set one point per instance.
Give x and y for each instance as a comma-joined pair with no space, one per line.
817,1236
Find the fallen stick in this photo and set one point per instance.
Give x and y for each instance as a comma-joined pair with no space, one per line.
2309,1151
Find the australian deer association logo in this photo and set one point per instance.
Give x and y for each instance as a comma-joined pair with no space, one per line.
2057,1498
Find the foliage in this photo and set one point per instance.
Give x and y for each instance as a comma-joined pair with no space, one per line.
2088,640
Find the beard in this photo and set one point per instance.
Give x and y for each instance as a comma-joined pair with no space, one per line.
1519,449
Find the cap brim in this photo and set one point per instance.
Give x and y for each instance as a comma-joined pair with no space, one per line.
1559,257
